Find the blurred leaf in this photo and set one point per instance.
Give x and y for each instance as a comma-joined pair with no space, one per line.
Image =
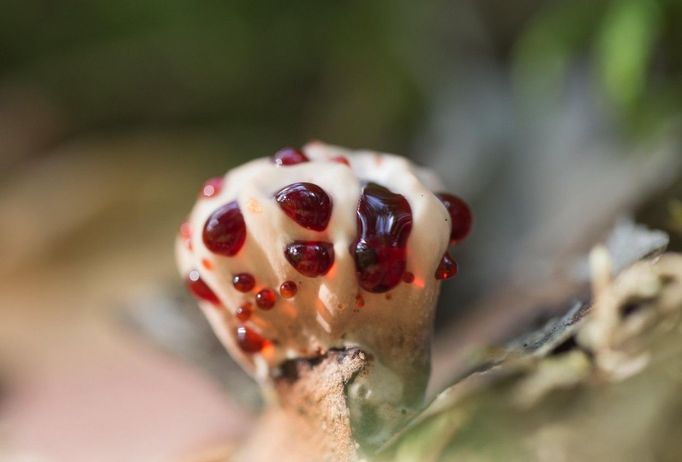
624,47
554,36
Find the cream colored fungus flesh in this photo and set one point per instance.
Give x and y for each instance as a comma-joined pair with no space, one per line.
331,310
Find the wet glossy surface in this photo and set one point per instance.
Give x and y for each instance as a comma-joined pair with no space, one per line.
225,231
289,156
265,299
447,268
310,258
288,289
307,204
199,289
461,218
248,340
384,222
243,282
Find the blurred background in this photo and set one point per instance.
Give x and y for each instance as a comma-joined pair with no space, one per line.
554,119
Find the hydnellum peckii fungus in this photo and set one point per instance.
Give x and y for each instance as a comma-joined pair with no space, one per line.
319,270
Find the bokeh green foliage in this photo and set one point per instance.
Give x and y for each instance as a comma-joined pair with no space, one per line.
275,71
630,47
356,73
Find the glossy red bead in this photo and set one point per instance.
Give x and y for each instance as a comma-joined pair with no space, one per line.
310,258
199,289
225,230
461,218
265,299
447,268
307,204
244,312
288,289
211,187
289,156
384,222
248,340
243,282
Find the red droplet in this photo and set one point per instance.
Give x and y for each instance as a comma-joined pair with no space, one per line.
244,312
199,289
288,289
243,282
341,160
186,234
211,187
310,258
265,299
307,204
384,221
206,263
447,268
225,230
359,301
249,341
461,217
289,156
408,277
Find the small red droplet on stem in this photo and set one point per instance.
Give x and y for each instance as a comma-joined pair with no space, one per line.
243,282
199,289
289,156
447,268
244,312
288,289
265,299
461,217
249,341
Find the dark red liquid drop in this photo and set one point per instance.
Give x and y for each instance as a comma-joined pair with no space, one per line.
199,289
225,230
408,277
447,268
307,204
211,187
289,156
243,282
244,312
249,341
461,217
288,289
384,221
265,299
310,258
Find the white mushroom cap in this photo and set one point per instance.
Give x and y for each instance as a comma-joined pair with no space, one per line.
327,311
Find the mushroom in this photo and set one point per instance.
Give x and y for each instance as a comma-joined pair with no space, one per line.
315,253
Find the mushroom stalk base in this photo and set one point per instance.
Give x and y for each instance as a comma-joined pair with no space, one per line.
311,418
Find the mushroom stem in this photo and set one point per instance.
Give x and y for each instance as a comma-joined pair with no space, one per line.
312,416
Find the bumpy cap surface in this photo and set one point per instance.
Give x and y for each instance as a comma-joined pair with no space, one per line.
321,248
